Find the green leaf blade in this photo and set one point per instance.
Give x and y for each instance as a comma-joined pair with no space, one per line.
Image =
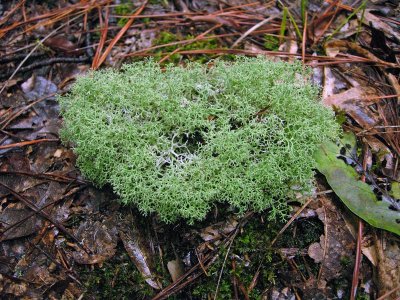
354,193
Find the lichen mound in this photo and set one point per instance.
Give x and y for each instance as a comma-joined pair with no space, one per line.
179,140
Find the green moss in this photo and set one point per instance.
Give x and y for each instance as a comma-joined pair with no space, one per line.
176,142
166,37
310,231
345,261
340,116
251,250
123,9
271,42
116,279
159,2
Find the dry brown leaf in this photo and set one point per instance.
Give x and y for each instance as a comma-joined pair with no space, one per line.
355,101
62,44
217,231
346,45
26,226
332,85
395,84
138,251
388,253
370,19
336,244
100,237
175,268
316,250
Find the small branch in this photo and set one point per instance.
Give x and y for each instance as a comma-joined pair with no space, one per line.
22,144
44,63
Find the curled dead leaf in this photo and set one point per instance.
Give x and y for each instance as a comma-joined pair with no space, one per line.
100,237
316,250
138,251
355,101
175,268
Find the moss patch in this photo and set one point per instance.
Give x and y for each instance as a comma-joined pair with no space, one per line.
166,37
116,279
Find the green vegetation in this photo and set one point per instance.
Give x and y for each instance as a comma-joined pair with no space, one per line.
116,279
166,37
161,2
252,252
271,42
123,9
178,141
354,193
249,249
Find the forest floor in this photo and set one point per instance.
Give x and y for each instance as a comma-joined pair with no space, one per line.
63,238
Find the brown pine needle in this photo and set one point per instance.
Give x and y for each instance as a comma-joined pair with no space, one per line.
27,143
119,35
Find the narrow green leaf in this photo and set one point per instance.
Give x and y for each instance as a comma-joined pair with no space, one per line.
303,8
283,24
296,28
355,11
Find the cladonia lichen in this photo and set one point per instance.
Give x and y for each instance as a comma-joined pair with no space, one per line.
178,140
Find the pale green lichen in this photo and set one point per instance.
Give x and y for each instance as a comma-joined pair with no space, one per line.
179,140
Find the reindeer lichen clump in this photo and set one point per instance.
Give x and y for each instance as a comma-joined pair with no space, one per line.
179,140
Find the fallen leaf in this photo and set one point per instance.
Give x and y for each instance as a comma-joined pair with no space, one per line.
100,237
175,268
138,251
216,231
13,215
316,251
388,253
355,102
355,194
336,244
370,19
61,44
346,45
37,86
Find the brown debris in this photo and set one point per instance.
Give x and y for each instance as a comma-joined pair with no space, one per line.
100,238
138,251
388,254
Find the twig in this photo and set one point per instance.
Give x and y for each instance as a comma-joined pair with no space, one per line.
47,176
7,121
4,19
223,264
43,214
27,143
356,271
255,27
46,62
385,296
119,35
291,220
6,58
39,210
200,36
103,37
201,263
329,23
34,49
304,41
325,243
207,261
